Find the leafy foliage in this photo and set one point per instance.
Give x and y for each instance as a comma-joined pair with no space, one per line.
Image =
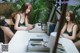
39,11
17,5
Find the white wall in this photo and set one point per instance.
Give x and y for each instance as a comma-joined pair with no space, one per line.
12,1
74,2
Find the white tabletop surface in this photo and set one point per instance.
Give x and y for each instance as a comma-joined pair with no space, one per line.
19,42
67,44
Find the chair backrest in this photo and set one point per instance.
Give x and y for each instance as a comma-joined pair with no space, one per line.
51,27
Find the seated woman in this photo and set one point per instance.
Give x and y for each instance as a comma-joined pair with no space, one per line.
69,29
6,25
22,18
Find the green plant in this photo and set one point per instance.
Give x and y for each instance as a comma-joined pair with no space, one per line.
39,11
17,5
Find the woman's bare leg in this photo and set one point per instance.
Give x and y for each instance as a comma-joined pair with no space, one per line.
7,31
77,44
6,38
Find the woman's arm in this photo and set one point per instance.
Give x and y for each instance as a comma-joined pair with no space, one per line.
26,21
16,27
73,33
63,29
29,26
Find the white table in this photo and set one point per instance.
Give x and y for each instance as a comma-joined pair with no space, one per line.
19,42
67,43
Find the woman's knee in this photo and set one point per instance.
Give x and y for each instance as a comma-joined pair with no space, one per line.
77,44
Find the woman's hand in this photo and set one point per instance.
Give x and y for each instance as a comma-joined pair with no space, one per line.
65,35
29,27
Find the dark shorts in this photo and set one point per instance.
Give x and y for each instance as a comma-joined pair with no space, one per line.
76,39
3,23
12,28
